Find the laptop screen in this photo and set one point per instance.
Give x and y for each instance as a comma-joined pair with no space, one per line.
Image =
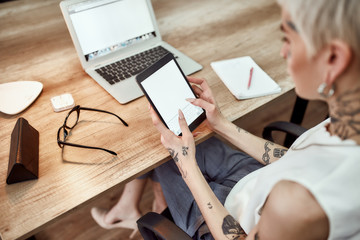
105,26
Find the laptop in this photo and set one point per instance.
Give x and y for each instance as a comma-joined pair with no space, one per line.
116,40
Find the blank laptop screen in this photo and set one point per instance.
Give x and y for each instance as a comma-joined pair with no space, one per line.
105,26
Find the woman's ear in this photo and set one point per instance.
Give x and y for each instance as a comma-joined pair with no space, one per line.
338,59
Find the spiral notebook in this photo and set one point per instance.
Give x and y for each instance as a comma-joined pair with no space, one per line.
235,74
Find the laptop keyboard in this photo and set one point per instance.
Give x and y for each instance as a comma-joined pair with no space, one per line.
131,66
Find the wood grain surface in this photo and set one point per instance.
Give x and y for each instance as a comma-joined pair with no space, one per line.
35,45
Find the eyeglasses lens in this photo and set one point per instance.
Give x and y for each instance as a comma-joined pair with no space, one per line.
72,119
62,135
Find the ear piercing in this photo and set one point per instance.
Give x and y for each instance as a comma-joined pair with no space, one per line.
322,90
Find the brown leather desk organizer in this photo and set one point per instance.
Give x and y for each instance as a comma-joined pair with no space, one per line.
24,153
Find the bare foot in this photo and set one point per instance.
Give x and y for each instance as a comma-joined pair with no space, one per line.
119,213
99,216
128,205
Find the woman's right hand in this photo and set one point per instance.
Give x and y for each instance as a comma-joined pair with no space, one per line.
206,101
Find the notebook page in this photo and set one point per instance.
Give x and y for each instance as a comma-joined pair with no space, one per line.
235,74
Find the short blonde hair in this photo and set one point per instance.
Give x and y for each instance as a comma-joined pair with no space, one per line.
321,21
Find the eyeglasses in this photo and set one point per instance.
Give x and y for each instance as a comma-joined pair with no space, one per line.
70,122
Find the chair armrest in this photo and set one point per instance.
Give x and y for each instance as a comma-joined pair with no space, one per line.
287,127
153,224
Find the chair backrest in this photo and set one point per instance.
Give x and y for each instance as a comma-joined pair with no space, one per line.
153,226
289,128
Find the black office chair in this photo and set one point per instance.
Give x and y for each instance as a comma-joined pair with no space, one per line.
154,226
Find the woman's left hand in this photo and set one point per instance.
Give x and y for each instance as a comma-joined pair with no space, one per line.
181,149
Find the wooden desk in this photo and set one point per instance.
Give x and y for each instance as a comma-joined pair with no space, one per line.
35,45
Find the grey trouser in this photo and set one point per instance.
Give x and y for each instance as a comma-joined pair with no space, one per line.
222,168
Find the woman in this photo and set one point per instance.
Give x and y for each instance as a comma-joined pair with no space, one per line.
310,190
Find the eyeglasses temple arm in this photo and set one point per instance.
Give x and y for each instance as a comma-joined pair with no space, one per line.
103,111
83,146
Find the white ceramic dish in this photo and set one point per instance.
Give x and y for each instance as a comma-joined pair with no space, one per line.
15,97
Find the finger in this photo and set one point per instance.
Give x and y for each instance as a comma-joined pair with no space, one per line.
201,103
202,82
183,125
198,91
195,134
207,96
195,80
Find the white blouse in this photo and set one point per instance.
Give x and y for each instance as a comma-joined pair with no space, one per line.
327,166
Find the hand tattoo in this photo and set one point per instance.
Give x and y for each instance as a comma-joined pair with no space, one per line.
184,150
173,154
177,161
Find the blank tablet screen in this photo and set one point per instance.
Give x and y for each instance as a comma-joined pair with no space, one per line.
167,90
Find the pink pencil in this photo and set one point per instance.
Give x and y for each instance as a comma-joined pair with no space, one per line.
250,77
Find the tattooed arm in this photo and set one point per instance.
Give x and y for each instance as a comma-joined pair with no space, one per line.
221,224
182,150
260,149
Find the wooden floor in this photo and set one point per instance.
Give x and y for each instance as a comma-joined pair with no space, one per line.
80,226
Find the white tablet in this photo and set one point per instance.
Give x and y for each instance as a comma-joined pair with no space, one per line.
166,88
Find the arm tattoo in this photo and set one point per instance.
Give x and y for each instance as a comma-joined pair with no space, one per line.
231,228
238,128
177,161
209,205
266,157
279,152
241,130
